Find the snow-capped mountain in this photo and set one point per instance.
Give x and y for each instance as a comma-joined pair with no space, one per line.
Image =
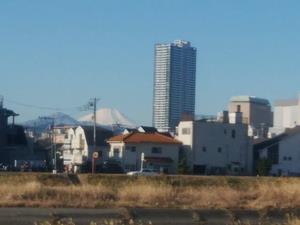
109,117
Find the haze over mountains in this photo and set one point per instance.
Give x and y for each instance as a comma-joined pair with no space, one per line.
105,117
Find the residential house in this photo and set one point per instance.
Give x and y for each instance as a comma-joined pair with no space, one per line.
79,147
216,147
139,149
281,152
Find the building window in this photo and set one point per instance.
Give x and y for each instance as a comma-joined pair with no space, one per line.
290,158
156,150
203,149
233,133
186,131
116,152
219,149
131,148
284,158
238,108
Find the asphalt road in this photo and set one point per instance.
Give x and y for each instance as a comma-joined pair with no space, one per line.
29,216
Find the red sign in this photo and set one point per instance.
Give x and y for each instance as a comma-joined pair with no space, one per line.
95,155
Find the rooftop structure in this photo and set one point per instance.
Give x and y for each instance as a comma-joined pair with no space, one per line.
256,111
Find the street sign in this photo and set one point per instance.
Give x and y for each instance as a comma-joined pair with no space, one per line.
95,155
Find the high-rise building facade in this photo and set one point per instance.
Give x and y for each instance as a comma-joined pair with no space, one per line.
174,84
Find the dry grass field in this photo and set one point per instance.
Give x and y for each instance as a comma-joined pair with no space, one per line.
90,191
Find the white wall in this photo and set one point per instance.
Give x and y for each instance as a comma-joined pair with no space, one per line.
128,158
77,151
289,156
208,138
286,116
187,139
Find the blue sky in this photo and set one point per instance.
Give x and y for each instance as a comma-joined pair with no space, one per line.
61,53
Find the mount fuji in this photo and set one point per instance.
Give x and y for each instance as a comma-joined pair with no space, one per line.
109,117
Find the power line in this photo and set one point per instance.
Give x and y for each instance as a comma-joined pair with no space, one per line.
41,107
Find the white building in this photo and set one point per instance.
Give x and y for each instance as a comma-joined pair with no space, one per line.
286,115
160,151
216,147
174,84
79,146
282,151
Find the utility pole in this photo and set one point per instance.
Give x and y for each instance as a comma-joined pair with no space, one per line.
95,122
53,144
92,104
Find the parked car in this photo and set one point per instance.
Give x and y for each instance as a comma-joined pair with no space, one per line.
144,172
112,166
3,167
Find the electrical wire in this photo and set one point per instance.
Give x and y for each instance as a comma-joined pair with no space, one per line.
42,107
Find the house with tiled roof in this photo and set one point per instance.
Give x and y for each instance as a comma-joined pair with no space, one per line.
145,149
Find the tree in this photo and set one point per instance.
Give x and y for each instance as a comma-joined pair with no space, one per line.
263,167
183,168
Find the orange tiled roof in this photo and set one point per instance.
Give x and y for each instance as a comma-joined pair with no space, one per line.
137,137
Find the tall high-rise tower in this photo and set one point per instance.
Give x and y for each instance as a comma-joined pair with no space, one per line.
174,84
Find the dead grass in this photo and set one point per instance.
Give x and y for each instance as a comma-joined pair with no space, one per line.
45,190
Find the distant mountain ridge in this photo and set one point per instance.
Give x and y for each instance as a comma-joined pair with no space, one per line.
110,119
44,122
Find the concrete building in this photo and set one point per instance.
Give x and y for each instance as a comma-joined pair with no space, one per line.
174,84
160,151
216,147
282,152
286,115
256,112
78,147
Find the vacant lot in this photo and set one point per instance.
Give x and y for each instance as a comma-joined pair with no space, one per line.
46,190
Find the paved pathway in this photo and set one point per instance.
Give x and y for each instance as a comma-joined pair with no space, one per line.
28,216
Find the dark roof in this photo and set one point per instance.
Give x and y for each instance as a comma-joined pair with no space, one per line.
265,143
102,135
131,129
149,129
8,112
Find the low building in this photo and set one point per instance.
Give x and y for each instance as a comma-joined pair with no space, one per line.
13,143
138,149
281,153
216,147
79,147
